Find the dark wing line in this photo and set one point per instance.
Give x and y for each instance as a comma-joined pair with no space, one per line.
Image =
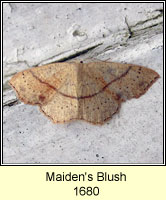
82,97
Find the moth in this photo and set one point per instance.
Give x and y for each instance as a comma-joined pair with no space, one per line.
85,91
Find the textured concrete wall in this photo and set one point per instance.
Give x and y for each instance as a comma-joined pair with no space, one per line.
39,33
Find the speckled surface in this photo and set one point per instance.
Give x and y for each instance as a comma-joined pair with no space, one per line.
57,31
